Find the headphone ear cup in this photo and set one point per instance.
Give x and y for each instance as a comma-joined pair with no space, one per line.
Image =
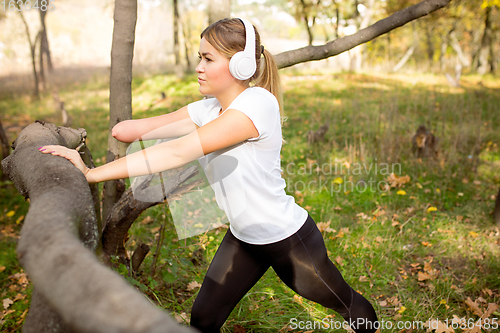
241,66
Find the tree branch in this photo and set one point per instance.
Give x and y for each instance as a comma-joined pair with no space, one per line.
335,47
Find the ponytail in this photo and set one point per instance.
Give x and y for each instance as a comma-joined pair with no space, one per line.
269,79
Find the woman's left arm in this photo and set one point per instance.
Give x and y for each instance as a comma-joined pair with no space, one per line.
227,130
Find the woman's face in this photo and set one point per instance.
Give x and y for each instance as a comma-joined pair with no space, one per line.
213,70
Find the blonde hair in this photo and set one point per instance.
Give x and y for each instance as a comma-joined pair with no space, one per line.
228,37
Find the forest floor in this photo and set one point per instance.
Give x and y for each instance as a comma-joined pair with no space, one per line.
415,235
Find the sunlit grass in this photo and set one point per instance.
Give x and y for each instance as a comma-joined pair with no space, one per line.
417,251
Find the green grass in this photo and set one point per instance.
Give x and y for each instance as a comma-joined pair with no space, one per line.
418,252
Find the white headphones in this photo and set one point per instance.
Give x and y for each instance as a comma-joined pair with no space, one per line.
242,65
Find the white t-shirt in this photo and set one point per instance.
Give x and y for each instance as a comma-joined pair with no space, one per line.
246,177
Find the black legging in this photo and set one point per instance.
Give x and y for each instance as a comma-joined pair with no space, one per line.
301,261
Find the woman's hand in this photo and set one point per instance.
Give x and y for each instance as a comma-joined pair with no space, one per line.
70,154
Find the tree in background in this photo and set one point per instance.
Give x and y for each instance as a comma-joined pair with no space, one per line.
484,59
120,91
218,9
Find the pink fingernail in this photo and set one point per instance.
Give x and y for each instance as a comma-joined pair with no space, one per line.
42,149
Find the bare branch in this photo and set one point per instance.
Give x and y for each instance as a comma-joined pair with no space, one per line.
333,48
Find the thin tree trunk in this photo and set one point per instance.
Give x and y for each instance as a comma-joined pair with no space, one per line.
456,46
176,34
445,41
36,91
306,22
337,15
44,48
409,52
187,48
389,50
120,90
357,62
404,59
4,142
430,45
484,61
5,148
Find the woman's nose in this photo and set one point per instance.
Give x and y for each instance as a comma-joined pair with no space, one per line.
199,68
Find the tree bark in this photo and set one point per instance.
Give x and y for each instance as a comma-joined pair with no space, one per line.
396,20
120,90
74,292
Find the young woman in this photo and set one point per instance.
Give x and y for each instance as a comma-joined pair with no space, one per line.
241,122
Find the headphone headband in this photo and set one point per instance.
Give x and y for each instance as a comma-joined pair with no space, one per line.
242,64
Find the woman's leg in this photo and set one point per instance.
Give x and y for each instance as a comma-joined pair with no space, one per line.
232,273
309,272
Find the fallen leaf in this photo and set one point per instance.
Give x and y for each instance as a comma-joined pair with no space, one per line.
325,227
239,329
427,266
10,213
147,220
339,260
401,192
397,181
474,307
422,276
6,303
439,327
431,209
492,307
363,278
193,285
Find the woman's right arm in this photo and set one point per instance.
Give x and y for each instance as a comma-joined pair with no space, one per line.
171,125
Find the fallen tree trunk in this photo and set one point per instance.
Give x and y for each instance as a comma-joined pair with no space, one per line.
73,291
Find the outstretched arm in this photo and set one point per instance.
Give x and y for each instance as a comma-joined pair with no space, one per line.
229,129
171,125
